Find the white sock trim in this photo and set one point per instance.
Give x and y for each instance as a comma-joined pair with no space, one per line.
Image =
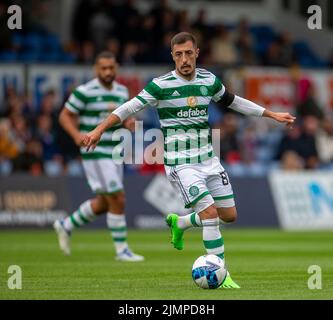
115,220
210,222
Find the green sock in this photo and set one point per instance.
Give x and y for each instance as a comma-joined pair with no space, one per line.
118,229
81,217
189,221
193,220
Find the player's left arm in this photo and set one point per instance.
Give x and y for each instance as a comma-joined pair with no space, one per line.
249,108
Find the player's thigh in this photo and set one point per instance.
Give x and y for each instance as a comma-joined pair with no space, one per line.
191,185
104,176
221,190
120,172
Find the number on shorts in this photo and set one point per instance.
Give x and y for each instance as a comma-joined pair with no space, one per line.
225,179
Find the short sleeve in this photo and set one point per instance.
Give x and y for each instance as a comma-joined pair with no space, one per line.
76,101
150,94
218,90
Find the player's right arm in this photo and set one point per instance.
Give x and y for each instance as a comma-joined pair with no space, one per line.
68,117
148,96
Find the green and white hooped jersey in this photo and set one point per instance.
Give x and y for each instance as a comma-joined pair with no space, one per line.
183,111
93,103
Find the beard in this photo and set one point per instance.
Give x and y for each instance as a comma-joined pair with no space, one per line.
189,71
107,81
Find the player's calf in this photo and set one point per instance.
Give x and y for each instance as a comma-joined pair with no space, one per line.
212,238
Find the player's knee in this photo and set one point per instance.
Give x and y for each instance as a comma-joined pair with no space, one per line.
230,219
98,205
209,213
118,201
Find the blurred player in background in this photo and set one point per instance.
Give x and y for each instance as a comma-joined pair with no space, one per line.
87,106
182,98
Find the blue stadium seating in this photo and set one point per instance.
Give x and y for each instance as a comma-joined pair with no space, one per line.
50,57
305,55
46,47
8,56
263,36
33,42
51,43
17,40
29,57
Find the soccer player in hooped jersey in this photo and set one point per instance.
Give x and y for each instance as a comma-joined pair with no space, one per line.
88,105
182,98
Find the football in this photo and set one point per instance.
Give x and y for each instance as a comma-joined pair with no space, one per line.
209,271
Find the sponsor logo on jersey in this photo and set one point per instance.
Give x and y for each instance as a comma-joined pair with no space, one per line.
176,94
192,101
192,113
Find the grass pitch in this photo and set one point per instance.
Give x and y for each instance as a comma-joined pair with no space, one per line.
268,264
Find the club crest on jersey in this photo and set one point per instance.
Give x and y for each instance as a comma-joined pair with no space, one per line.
192,101
203,90
113,184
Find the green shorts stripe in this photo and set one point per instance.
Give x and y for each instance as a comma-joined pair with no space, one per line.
194,202
101,193
231,196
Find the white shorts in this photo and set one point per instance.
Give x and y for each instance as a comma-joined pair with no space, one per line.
202,185
104,176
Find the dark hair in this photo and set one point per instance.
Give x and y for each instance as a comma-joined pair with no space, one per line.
182,37
105,55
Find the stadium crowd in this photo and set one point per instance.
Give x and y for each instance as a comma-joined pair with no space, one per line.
144,38
31,139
